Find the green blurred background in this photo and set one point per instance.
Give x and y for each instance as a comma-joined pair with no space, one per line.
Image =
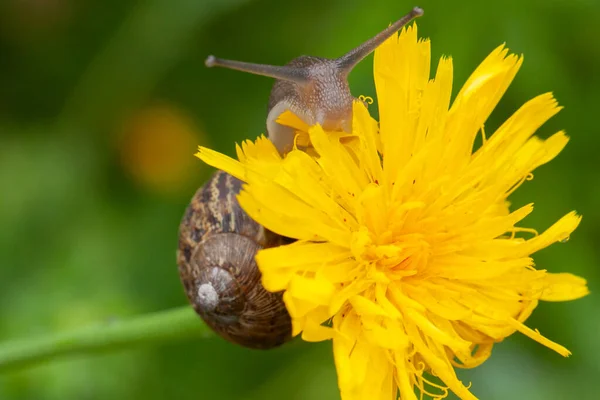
102,104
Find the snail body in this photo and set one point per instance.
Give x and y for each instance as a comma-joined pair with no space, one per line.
218,240
314,88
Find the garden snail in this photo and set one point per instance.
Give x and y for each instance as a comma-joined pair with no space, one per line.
218,240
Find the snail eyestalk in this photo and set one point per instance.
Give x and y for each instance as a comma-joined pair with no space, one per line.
290,74
356,55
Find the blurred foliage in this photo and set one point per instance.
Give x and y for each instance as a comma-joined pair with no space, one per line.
102,104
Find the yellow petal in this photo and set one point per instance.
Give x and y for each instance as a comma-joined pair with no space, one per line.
288,118
427,326
346,176
513,133
559,231
535,335
368,154
261,157
564,287
313,332
318,291
279,264
282,212
403,377
438,361
221,161
366,307
482,352
386,335
401,71
298,308
476,100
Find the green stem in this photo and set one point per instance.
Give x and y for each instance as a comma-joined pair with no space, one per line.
168,325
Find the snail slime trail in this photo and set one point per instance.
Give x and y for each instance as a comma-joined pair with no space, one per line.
218,240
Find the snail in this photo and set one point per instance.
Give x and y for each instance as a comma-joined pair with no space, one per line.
218,240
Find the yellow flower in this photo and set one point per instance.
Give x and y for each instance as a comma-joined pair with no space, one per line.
408,255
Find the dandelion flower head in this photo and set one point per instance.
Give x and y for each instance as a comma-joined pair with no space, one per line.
408,254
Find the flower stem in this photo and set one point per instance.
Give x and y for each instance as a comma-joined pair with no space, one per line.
161,326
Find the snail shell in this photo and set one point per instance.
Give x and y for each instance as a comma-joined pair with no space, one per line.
217,245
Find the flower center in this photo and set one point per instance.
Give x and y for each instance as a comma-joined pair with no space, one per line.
405,255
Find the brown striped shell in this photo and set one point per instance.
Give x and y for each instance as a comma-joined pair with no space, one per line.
217,245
